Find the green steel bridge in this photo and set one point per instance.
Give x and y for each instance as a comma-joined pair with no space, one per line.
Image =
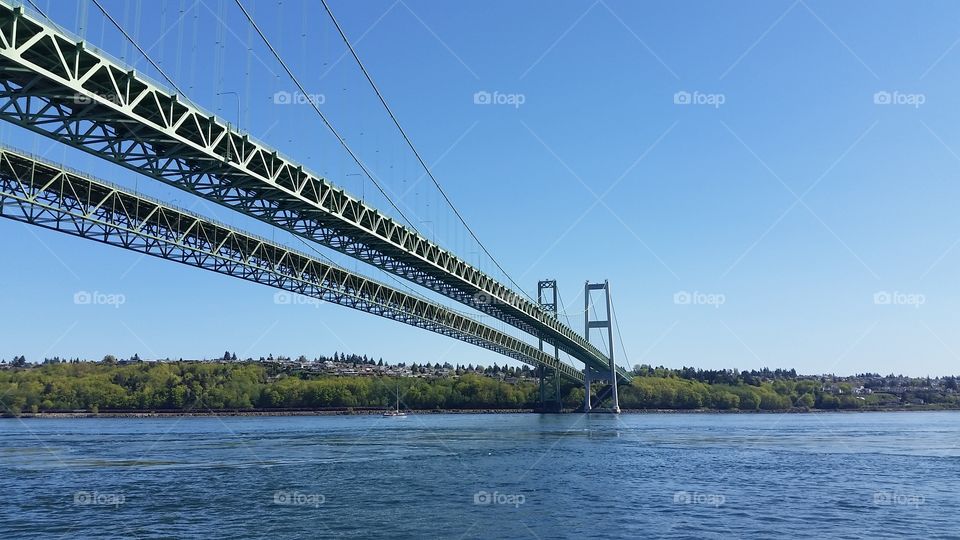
54,84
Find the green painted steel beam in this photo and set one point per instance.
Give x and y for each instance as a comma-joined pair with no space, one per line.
45,194
54,84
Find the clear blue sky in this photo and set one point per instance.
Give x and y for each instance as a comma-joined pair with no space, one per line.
796,201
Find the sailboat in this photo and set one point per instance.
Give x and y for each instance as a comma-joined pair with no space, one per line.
396,411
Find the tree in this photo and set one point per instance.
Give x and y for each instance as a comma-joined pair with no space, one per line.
749,400
726,400
19,361
828,401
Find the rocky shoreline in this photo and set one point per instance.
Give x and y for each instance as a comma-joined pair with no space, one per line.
377,412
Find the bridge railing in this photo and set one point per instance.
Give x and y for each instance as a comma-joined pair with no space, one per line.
184,146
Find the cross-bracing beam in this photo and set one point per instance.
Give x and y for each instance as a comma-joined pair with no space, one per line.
44,194
53,84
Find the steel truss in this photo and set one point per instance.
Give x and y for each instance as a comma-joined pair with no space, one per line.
547,297
55,85
41,193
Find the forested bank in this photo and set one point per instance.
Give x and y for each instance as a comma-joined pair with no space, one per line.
200,386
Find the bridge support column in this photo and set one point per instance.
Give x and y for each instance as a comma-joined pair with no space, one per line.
547,297
613,366
607,325
541,374
587,406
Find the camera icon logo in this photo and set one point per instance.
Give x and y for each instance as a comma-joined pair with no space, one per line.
882,298
483,299
682,298
282,298
82,298
882,98
482,98
482,497
282,98
682,98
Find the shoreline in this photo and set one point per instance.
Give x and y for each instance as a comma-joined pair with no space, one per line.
378,412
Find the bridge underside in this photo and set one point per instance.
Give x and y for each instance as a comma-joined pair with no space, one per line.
41,193
52,84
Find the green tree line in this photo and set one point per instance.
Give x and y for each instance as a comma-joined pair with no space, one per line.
199,386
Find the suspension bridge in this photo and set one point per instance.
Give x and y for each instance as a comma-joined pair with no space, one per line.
54,84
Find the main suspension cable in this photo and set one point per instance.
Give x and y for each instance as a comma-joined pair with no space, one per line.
323,117
416,153
623,348
135,44
174,85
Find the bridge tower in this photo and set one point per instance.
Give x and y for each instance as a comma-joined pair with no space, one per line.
547,296
599,324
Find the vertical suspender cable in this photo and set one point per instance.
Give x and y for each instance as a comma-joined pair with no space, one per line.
403,133
323,117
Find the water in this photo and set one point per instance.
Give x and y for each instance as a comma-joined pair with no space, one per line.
886,475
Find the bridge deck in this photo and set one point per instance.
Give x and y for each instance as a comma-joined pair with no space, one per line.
41,193
52,84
